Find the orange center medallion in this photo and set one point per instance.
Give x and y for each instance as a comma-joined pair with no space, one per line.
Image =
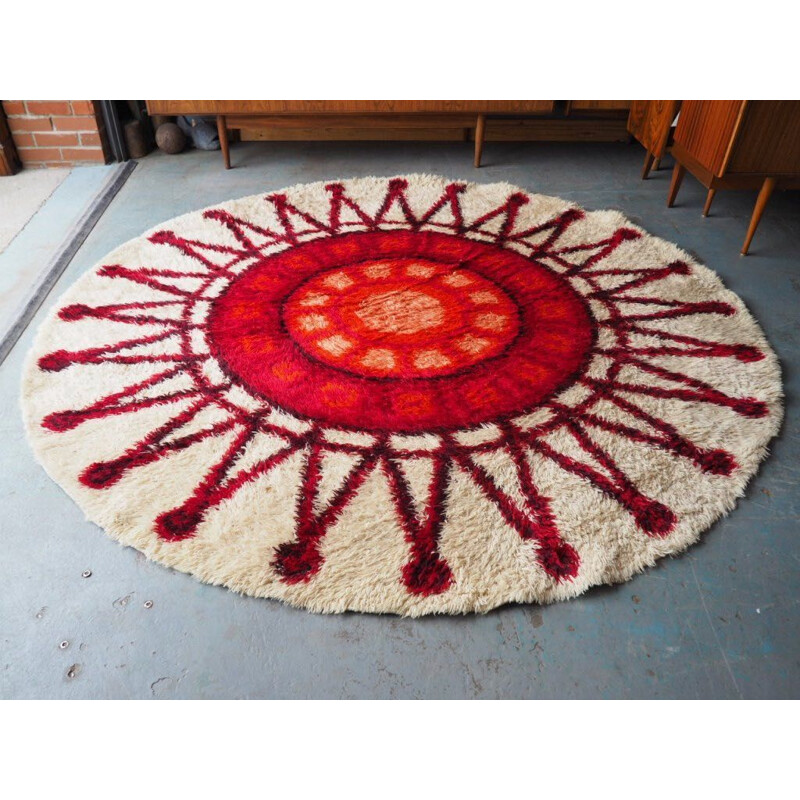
401,318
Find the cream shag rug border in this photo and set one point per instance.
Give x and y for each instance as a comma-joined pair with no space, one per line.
405,395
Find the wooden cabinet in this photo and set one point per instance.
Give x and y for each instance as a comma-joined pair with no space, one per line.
450,120
249,107
597,106
738,144
360,119
650,123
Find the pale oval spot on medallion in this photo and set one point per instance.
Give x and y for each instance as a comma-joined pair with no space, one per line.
484,298
338,281
379,358
457,279
491,322
430,359
378,270
314,299
418,270
470,343
313,322
335,345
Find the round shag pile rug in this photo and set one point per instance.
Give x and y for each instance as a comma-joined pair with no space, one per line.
405,395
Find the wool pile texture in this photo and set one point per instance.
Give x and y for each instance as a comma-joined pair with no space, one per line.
407,395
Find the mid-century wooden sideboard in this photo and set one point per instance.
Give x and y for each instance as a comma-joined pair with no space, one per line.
738,144
510,120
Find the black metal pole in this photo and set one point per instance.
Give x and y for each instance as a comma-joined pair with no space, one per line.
114,130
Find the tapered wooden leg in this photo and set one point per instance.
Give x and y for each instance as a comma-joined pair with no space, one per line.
761,204
648,163
677,177
222,132
480,127
657,165
709,200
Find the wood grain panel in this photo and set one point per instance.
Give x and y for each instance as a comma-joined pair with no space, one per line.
706,130
497,130
599,105
556,130
650,122
396,121
338,133
240,107
768,140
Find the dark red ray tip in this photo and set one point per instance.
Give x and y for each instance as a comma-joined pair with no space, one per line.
571,215
104,473
111,271
717,462
62,421
164,237
55,361
180,523
427,575
297,562
652,517
747,353
560,560
75,312
716,307
750,407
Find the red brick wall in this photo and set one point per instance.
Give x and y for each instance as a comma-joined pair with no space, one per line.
57,133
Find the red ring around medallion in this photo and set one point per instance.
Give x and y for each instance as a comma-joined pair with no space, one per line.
411,349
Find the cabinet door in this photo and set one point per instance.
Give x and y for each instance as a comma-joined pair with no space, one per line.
768,140
650,122
706,131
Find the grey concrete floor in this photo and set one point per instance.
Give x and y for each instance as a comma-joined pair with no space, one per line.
720,621
22,195
38,230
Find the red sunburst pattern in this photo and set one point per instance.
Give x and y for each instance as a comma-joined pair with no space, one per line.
384,336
